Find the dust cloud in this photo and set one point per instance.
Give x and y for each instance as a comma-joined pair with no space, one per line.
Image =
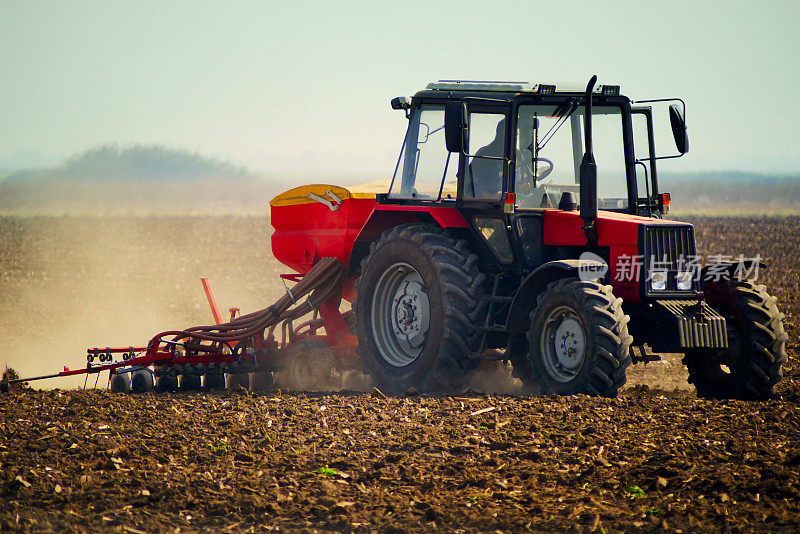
69,283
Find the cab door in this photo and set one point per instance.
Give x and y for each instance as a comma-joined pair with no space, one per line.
483,171
547,154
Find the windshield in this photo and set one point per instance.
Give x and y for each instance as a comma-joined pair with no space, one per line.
425,170
549,152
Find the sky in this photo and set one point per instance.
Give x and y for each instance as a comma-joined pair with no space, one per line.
305,86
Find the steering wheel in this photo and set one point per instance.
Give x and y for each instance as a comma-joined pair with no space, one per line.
525,180
542,174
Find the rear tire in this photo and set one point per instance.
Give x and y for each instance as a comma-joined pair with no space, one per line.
751,366
578,341
310,365
416,305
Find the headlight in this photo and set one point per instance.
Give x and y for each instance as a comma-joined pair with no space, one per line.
684,280
658,280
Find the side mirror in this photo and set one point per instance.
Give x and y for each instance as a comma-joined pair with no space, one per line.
678,124
455,127
401,102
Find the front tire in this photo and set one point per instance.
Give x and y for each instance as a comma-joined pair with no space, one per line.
416,307
751,366
578,341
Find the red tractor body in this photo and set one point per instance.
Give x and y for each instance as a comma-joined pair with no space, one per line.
306,229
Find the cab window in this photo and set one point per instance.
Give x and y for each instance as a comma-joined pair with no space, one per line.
425,167
487,143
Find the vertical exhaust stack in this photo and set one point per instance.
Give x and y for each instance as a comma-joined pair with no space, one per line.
588,173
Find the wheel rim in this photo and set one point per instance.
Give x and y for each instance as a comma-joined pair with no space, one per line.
400,315
563,344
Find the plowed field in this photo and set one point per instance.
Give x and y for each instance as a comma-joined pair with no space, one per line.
654,459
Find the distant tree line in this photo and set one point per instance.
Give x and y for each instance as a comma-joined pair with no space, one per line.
151,163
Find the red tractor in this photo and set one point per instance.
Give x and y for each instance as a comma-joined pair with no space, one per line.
502,236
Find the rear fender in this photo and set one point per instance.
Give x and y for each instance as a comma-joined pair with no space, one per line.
536,282
384,217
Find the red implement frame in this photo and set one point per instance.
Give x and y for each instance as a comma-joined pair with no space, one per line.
199,348
212,302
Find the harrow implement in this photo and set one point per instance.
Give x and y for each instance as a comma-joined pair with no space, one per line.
246,344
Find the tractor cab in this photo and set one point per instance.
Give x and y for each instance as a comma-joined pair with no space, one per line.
528,172
519,146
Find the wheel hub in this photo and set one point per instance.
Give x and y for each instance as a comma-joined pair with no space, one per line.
569,343
411,314
408,317
563,344
401,314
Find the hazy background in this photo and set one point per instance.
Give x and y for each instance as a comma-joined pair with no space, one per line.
305,86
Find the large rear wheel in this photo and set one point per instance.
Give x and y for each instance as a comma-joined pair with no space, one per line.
415,309
578,341
751,365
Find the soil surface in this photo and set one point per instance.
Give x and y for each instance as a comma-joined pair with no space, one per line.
653,459
644,461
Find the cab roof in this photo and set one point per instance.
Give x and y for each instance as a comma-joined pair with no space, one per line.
518,87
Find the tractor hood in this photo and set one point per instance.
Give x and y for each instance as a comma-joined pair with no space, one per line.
564,228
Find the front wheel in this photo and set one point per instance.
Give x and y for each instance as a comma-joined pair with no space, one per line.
751,365
578,341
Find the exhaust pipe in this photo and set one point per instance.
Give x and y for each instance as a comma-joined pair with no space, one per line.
588,173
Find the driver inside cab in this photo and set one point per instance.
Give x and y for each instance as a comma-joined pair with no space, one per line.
485,171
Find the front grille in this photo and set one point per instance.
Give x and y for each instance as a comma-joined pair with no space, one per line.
667,248
671,247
